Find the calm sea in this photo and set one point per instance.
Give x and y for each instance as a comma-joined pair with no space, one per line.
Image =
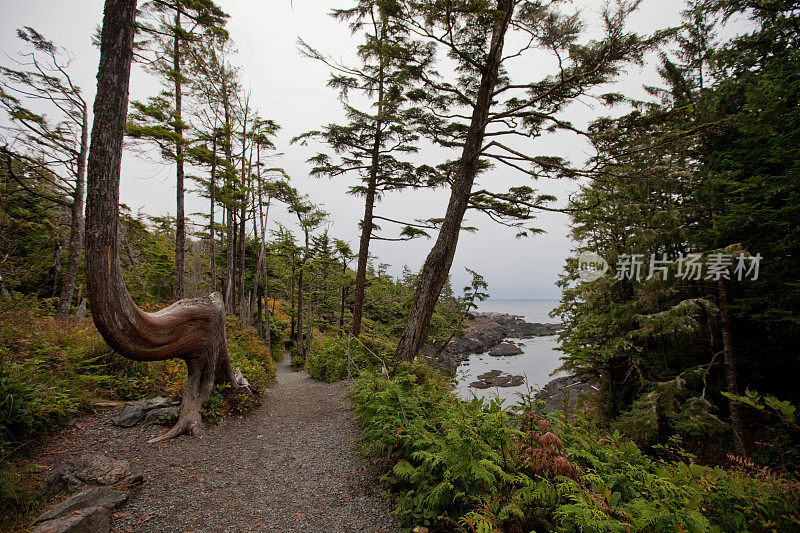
537,363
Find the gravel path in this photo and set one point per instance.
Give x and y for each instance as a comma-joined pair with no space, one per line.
288,465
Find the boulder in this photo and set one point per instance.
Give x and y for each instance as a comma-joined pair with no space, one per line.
159,402
102,497
91,469
505,348
131,414
161,415
90,520
497,378
96,468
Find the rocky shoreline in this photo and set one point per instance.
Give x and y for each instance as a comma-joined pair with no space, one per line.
498,334
488,332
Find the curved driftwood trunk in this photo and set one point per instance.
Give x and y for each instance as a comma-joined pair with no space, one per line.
191,329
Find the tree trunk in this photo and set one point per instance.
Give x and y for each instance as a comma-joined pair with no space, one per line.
212,193
299,344
191,330
309,323
369,205
3,289
343,300
437,265
76,226
292,315
230,227
180,222
244,308
55,270
263,217
724,289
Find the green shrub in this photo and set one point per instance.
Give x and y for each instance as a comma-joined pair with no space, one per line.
249,354
479,466
328,358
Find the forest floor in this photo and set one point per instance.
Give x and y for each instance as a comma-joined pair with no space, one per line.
288,465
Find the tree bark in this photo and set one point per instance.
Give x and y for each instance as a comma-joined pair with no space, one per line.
76,226
212,194
230,227
724,289
437,265
343,300
299,344
244,308
192,330
180,222
369,205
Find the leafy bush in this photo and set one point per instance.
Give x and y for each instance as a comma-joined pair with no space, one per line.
328,358
248,353
478,466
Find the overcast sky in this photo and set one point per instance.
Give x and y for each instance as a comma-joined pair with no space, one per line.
292,90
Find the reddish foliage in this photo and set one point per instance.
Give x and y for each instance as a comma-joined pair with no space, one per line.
541,451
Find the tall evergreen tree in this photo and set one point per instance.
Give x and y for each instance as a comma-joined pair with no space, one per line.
482,108
172,26
57,145
372,141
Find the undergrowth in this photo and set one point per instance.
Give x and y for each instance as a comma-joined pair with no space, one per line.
482,467
327,360
50,372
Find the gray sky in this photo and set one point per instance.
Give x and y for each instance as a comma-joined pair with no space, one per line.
292,91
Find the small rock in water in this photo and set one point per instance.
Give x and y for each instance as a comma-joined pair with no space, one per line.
505,348
497,378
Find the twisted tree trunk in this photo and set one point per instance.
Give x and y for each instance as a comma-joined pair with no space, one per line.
190,329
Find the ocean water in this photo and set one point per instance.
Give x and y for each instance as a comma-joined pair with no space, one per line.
537,363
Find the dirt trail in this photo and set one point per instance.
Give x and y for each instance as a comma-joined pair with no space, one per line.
290,465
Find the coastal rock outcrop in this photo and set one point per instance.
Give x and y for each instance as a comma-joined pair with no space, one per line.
484,332
497,378
505,348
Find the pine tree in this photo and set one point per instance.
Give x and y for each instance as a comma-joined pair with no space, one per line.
373,141
162,119
481,109
55,145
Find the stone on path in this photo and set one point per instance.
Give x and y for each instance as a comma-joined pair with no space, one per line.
102,497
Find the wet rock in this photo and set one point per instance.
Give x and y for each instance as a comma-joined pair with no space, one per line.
505,348
102,497
566,391
497,378
131,414
483,332
90,520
